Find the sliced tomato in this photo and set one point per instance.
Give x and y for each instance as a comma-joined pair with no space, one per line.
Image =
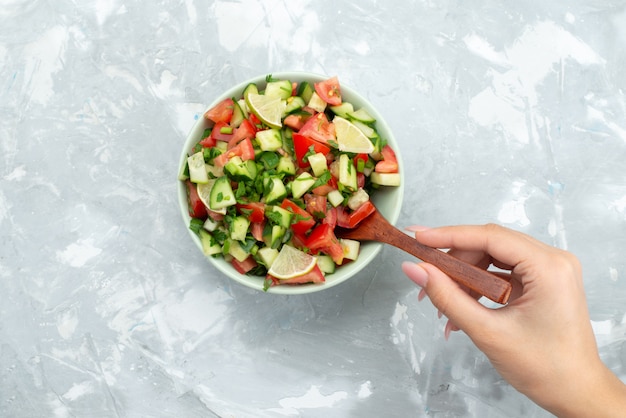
322,236
208,142
254,211
314,276
254,120
196,207
331,217
256,229
245,130
216,216
315,205
221,112
301,145
329,91
244,266
319,128
296,122
225,136
243,149
346,219
389,163
303,220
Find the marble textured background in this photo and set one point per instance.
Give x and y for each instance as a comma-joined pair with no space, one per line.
509,113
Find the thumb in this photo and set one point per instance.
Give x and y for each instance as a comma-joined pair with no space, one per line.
459,307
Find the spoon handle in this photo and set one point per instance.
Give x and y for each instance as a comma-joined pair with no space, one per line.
480,281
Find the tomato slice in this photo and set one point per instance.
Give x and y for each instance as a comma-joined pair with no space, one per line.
303,222
196,207
301,145
217,133
208,142
254,211
323,238
329,91
245,130
314,276
319,128
256,229
346,219
315,205
221,112
244,266
389,163
243,149
296,122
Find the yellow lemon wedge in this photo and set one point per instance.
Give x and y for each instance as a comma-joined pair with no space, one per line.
291,263
350,138
269,109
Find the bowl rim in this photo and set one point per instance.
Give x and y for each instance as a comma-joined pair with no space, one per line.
365,257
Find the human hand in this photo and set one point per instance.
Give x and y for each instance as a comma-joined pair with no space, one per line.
541,341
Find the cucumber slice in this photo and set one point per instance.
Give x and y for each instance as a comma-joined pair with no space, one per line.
197,170
239,228
267,255
238,115
302,184
269,139
350,248
286,166
209,245
294,103
278,233
250,88
235,249
347,173
385,179
326,264
335,197
240,170
318,164
305,90
279,88
367,130
275,190
280,216
361,115
343,109
222,194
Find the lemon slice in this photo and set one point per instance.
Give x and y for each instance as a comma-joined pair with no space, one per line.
204,193
350,138
269,109
291,262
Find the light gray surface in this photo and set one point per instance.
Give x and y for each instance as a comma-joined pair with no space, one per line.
504,113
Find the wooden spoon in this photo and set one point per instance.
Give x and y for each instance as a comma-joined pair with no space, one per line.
376,228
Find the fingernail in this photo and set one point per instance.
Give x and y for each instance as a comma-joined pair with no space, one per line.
439,314
447,330
416,228
416,273
421,295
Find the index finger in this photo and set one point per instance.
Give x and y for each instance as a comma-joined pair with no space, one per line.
503,244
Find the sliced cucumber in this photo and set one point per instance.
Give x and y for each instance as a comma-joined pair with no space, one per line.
347,173
385,179
335,197
238,115
361,115
294,103
279,88
250,88
239,228
197,170
267,255
326,264
302,184
280,216
367,130
357,199
275,190
278,233
318,163
286,166
210,246
235,249
343,109
222,194
305,90
269,139
240,170
350,248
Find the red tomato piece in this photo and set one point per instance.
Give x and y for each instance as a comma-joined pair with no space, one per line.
254,211
244,266
329,91
301,145
322,236
331,217
256,228
346,219
244,149
221,112
245,130
208,142
196,207
319,128
303,221
314,276
296,122
315,205
218,135
389,163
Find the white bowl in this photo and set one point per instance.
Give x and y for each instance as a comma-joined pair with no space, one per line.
388,200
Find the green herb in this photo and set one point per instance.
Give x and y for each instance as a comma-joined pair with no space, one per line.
196,225
269,159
